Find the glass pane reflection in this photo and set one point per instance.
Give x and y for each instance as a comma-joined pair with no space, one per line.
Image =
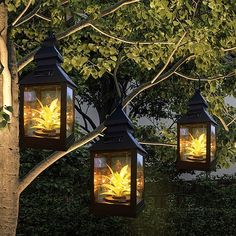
140,178
213,142
69,112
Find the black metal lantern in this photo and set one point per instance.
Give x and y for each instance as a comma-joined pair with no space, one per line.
196,133
47,102
117,162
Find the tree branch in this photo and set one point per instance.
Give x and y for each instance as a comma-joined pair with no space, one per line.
223,123
209,79
232,121
85,117
86,22
161,78
22,13
85,127
158,144
170,57
43,17
115,74
228,49
117,6
128,41
26,60
73,29
195,9
29,15
43,165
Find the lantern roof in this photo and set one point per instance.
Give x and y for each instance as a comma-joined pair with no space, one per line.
48,69
197,99
118,135
197,111
118,117
48,53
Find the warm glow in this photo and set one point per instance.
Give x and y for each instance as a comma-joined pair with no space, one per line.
197,146
26,115
118,185
47,118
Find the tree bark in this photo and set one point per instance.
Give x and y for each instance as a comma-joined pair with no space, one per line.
9,149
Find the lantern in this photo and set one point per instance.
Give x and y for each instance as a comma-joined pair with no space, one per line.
117,162
47,102
196,133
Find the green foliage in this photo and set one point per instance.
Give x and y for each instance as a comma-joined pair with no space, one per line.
4,116
210,26
185,208
57,203
226,150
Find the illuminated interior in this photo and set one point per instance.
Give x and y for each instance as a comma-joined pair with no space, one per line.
42,108
213,142
118,183
193,142
69,112
112,178
140,178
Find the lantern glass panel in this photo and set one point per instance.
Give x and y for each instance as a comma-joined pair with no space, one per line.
112,178
213,142
140,178
193,142
42,111
70,112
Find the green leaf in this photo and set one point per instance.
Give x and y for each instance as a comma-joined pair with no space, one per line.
3,124
9,108
6,117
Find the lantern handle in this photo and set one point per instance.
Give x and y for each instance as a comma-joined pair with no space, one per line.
51,34
120,94
199,81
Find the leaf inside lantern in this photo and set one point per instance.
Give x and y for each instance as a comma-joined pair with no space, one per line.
119,183
48,116
197,146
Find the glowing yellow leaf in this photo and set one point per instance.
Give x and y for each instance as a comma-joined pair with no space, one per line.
119,183
197,146
48,117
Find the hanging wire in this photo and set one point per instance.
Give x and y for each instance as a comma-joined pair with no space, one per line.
199,81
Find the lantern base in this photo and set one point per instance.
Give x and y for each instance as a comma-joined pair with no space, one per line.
49,143
196,165
113,199
196,158
101,209
46,133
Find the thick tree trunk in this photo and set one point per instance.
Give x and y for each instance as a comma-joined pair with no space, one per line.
9,198
9,151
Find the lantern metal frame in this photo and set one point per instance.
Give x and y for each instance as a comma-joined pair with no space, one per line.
196,115
118,138
48,72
